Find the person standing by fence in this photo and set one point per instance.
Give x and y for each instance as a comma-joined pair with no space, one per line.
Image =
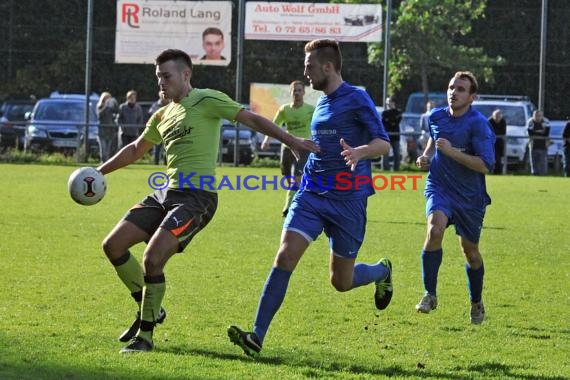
499,125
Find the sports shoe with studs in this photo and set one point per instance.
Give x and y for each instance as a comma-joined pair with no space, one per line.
138,344
384,289
477,312
130,333
427,304
248,341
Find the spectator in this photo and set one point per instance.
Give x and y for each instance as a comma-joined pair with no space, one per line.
107,109
538,131
499,125
131,120
424,125
161,102
391,118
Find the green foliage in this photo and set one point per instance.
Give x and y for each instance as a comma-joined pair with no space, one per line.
424,40
63,305
265,163
21,157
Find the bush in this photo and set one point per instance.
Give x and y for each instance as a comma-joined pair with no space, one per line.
21,157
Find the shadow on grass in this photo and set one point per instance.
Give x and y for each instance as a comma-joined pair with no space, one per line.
506,371
48,371
302,363
536,332
423,223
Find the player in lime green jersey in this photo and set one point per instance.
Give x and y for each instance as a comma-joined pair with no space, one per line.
296,116
168,219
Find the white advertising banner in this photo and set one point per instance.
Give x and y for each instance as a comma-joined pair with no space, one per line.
200,28
308,21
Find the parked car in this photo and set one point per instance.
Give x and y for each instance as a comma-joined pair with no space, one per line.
246,148
516,111
410,129
272,151
57,124
556,147
13,122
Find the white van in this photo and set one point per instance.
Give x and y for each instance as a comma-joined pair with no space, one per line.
516,111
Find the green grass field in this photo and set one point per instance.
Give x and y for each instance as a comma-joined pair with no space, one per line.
62,305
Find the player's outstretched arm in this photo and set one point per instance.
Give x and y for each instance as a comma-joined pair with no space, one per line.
126,156
268,128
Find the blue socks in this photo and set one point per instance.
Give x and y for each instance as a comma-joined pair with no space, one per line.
366,273
272,296
475,282
431,260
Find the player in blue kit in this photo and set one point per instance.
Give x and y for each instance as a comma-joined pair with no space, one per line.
349,133
462,145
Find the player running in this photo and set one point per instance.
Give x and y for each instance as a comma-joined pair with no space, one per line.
349,132
459,153
296,116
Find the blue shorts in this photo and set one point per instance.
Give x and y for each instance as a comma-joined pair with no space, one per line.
344,221
468,221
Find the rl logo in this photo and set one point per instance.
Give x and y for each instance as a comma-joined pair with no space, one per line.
130,14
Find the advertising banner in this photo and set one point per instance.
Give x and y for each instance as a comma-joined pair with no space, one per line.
266,98
309,21
200,28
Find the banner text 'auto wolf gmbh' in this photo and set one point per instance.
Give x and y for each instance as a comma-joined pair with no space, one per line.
147,27
309,21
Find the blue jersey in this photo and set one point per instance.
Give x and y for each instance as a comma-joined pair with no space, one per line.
347,113
471,133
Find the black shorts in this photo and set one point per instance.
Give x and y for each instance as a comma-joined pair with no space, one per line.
289,164
182,212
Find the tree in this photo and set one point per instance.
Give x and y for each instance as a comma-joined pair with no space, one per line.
426,40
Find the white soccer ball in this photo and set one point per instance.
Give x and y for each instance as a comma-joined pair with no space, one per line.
87,186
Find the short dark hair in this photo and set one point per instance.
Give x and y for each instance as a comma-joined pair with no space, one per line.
178,56
296,82
468,75
213,30
327,50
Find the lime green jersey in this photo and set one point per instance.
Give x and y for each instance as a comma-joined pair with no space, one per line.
190,132
297,120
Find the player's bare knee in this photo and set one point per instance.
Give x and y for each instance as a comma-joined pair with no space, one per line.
153,265
473,258
285,261
111,251
435,233
341,285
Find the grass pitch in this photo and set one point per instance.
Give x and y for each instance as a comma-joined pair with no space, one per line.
62,305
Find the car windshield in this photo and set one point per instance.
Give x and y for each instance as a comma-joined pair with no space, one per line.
17,112
417,104
230,130
63,111
513,114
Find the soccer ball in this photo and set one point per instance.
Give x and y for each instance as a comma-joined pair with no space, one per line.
87,186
